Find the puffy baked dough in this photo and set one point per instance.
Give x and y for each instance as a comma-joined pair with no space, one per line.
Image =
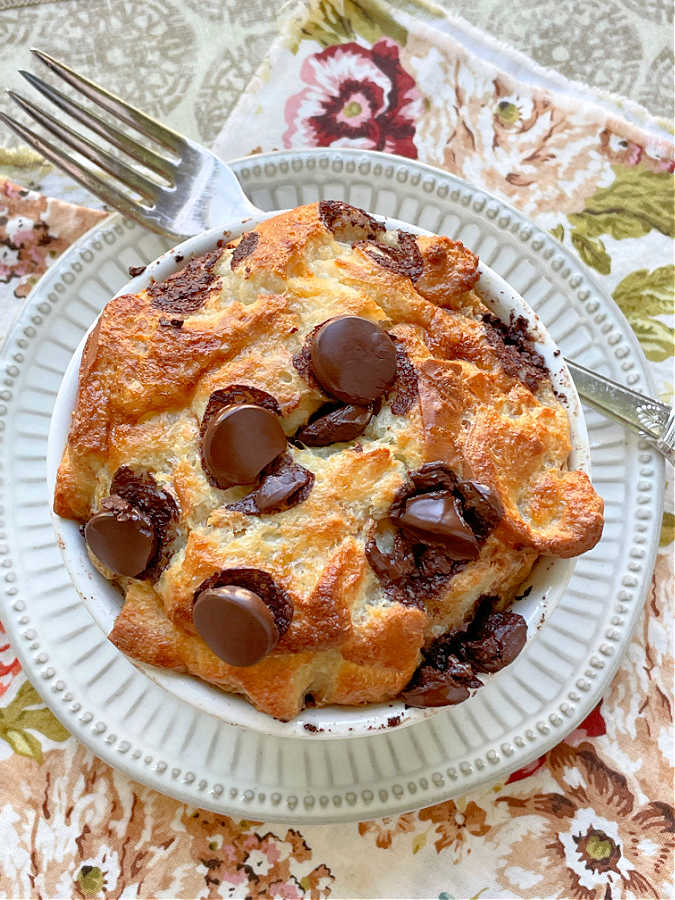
240,316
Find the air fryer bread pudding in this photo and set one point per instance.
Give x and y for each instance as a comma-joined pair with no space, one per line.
319,469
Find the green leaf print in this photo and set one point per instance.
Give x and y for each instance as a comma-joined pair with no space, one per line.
593,252
667,530
558,233
636,202
652,294
642,295
639,195
25,714
337,21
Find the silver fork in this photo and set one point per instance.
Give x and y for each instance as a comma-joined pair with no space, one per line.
192,190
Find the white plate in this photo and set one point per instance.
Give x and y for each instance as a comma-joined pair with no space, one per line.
544,587
165,742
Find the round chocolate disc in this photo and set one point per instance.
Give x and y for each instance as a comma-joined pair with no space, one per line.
236,623
240,441
437,514
122,537
353,359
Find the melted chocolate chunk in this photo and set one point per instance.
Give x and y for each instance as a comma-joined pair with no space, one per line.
239,441
121,536
409,572
189,288
437,515
450,663
236,395
302,360
515,350
142,491
244,248
236,624
136,270
233,395
403,258
431,687
390,557
353,359
478,505
416,563
259,583
333,425
283,484
349,223
496,640
481,507
403,394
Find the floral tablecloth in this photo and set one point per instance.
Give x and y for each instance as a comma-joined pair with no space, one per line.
593,818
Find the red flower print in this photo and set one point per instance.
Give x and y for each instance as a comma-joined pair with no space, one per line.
356,97
9,664
527,770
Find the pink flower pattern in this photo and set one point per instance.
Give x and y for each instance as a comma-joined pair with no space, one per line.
356,97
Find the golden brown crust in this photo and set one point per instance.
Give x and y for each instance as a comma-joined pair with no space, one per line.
239,317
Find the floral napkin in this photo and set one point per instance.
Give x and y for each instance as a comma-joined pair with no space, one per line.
593,818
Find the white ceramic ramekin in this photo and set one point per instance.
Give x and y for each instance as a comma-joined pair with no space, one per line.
548,580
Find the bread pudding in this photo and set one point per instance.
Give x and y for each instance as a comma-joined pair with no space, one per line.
319,469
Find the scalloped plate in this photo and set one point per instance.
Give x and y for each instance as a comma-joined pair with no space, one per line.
161,740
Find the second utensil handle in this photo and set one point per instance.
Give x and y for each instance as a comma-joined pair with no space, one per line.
653,419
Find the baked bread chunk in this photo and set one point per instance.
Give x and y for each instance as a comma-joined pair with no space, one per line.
318,468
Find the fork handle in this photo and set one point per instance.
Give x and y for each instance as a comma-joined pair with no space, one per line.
652,419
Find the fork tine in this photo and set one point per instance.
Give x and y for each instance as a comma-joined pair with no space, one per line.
117,169
115,105
123,142
85,176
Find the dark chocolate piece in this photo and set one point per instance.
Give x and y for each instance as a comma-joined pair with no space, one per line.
121,536
418,563
481,507
349,223
189,288
136,270
261,584
437,515
353,359
142,491
332,425
431,687
244,248
236,623
283,484
487,644
496,640
403,394
239,441
403,258
515,350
